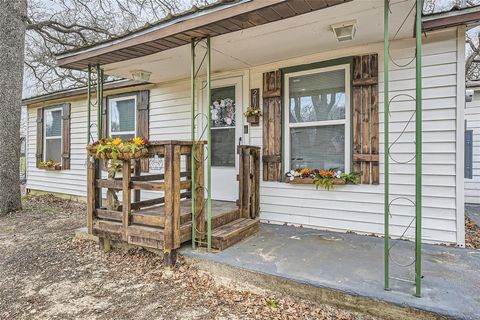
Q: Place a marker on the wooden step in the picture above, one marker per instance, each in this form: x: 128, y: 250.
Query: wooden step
x: 151, y: 237
x: 233, y: 232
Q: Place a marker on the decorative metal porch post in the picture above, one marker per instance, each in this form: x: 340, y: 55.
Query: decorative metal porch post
x: 418, y: 150
x: 194, y: 74
x: 386, y: 112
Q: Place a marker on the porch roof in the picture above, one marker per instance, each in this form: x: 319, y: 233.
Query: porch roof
x: 222, y: 17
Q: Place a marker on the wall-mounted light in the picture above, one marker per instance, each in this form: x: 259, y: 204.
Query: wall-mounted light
x: 344, y: 31
x: 141, y: 75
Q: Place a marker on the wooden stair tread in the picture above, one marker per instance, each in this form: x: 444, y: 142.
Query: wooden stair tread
x: 233, y: 228
x: 233, y: 232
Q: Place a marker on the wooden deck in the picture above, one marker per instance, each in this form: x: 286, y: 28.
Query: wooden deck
x: 166, y: 222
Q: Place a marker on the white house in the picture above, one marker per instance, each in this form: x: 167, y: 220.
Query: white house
x: 322, y: 127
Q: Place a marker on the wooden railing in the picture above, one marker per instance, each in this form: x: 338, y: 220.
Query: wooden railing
x: 249, y: 181
x: 173, y: 183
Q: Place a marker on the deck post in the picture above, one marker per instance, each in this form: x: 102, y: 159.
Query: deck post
x: 193, y: 150
x: 209, y: 144
x: 126, y: 197
x: 386, y: 145
x: 198, y: 190
x: 418, y: 150
x: 92, y: 192
x: 168, y: 244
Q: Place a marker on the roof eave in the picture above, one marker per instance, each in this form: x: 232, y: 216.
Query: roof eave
x: 450, y: 19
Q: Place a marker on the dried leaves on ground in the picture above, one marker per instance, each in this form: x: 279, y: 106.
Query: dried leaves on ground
x: 472, y: 234
x: 45, y: 273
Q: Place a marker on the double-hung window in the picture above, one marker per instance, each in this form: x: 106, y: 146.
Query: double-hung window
x: 122, y: 117
x: 53, y: 134
x: 317, y: 118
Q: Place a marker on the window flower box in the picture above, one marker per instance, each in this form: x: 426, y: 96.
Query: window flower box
x: 50, y: 166
x: 253, y: 115
x: 325, y: 179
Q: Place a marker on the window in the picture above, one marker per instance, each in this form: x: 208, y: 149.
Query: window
x: 53, y: 135
x: 223, y: 127
x: 317, y: 118
x: 122, y: 117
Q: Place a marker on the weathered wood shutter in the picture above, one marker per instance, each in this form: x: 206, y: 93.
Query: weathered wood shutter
x: 104, y: 118
x: 66, y: 115
x: 365, y: 118
x: 143, y: 123
x: 39, y: 154
x: 272, y: 126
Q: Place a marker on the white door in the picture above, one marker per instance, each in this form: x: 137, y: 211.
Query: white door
x: 226, y: 134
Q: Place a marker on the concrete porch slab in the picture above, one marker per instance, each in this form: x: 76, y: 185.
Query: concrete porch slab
x: 347, y: 269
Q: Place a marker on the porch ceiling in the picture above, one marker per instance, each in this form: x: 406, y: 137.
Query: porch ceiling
x: 270, y: 42
x: 219, y: 18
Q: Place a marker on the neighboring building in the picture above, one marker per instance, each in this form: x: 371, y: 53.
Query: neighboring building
x: 326, y: 125
x: 472, y: 143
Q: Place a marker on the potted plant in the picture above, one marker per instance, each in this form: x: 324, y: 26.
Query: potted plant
x: 253, y: 115
x: 325, y: 179
x: 50, y: 165
x: 116, y: 149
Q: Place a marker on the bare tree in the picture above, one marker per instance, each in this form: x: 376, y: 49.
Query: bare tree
x: 60, y: 25
x: 12, y: 34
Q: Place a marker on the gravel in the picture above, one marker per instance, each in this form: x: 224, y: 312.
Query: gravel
x: 45, y: 273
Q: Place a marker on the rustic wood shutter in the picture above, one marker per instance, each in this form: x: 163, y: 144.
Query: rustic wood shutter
x: 143, y: 103
x: 272, y: 126
x: 66, y: 116
x: 39, y: 154
x: 104, y: 118
x: 365, y: 118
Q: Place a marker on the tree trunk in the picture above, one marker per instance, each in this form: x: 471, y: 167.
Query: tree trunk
x: 12, y: 42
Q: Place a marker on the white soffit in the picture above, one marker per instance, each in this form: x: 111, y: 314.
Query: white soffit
x: 303, y: 35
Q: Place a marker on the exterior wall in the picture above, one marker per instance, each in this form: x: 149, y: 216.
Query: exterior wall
x: 345, y: 208
x: 472, y: 117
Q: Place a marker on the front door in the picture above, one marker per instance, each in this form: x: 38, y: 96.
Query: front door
x: 226, y: 133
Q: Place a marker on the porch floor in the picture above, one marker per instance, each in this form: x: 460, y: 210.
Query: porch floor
x: 353, y: 264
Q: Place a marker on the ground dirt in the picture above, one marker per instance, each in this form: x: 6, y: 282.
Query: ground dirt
x: 472, y: 234
x: 45, y: 273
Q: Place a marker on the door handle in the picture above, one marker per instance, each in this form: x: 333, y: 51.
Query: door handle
x: 240, y: 141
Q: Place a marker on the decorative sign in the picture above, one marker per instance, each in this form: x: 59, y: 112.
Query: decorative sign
x: 255, y: 98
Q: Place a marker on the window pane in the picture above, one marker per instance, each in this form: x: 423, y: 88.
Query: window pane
x: 320, y: 147
x: 317, y: 97
x: 53, y: 123
x: 223, y: 107
x: 53, y: 150
x: 223, y: 147
x: 122, y: 117
x: 124, y: 137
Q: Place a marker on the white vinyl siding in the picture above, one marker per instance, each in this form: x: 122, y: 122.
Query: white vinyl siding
x: 357, y: 208
x: 472, y: 117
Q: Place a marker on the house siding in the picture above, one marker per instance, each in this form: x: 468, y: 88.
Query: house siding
x: 357, y: 208
x: 472, y: 117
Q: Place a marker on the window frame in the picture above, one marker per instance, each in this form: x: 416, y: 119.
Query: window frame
x: 346, y: 122
x: 45, y: 111
x: 109, y: 115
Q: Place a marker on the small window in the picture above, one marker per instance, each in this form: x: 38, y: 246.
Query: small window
x: 53, y: 135
x: 122, y: 117
x: 317, y: 119
x: 223, y: 126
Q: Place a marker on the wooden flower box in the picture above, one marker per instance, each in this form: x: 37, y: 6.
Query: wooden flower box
x: 56, y: 168
x: 299, y: 180
x: 254, y: 120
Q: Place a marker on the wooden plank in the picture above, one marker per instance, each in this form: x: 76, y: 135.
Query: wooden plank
x: 239, y: 231
x: 365, y: 157
x: 112, y: 227
x: 366, y: 132
x: 110, y: 184
x: 39, y: 144
x: 109, y: 214
x: 137, y: 171
x: 374, y: 135
x: 66, y: 136
x: 176, y: 196
x: 145, y: 242
x: 169, y: 201
x: 224, y: 218
x: 91, y: 194
x: 126, y: 198
x: 199, y: 191
x: 148, y: 185
x: 145, y: 232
